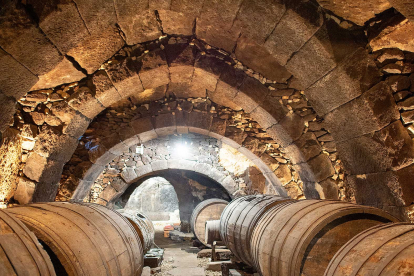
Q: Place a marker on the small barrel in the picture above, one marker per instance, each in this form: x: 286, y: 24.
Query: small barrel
x: 239, y: 219
x: 300, y: 238
x: 20, y: 251
x: 88, y: 239
x: 143, y: 225
x: 382, y: 250
x: 212, y: 231
x: 209, y: 209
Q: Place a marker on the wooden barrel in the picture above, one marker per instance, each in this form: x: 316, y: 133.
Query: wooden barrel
x: 212, y: 231
x: 143, y: 225
x: 20, y: 251
x: 300, y: 238
x: 239, y: 219
x: 382, y: 250
x: 88, y: 239
x: 209, y: 209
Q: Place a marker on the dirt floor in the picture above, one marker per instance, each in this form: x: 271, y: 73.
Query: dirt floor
x: 178, y: 262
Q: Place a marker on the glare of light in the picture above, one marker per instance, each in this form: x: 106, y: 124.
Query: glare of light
x: 181, y: 150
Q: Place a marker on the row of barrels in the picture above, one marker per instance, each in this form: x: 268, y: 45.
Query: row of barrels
x: 281, y: 236
x: 61, y: 238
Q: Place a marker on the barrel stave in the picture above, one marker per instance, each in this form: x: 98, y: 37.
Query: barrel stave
x: 88, y: 239
x: 381, y: 250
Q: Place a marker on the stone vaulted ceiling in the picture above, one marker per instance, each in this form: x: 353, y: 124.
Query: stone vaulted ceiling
x: 328, y: 84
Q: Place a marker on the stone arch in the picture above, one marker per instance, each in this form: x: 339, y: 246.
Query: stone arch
x: 156, y: 72
x: 149, y: 133
x: 112, y: 192
x: 285, y: 38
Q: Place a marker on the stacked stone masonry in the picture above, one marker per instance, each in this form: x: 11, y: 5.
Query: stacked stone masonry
x: 336, y: 53
x: 41, y: 107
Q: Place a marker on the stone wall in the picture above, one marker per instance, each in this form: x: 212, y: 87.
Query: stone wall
x: 156, y: 198
x: 10, y: 152
x: 48, y: 109
x: 191, y: 189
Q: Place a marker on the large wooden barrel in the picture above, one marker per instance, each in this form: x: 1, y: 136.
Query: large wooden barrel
x: 143, y: 225
x: 300, y: 238
x: 209, y: 209
x: 384, y: 250
x: 20, y: 251
x: 88, y: 239
x: 239, y: 219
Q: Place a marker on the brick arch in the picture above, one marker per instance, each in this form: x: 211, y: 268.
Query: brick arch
x: 282, y: 40
x: 113, y: 192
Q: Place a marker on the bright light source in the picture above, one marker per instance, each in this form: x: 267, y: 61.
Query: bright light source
x: 181, y: 150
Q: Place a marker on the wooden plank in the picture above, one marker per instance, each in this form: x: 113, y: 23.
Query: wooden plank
x: 18, y: 255
x: 6, y: 267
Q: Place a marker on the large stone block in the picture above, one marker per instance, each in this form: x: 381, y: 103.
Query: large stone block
x: 155, y: 77
x: 257, y: 19
x: 154, y: 71
x: 142, y: 125
x: 137, y: 22
x: 357, y: 11
x: 164, y: 120
x: 181, y: 74
x: 176, y: 23
x: 190, y: 7
x: 391, y: 148
x: 224, y: 95
x: 84, y: 102
x: 6, y: 112
x: 48, y: 185
x: 277, y: 110
x: 372, y: 111
x: 150, y: 95
x: 52, y: 144
x: 329, y: 46
x: 279, y: 135
x: 201, y: 120
x: 377, y: 189
x: 227, y: 87
x: 105, y: 91
x: 15, y: 79
x: 294, y: 125
x: 61, y: 22
x: 355, y: 75
x: 64, y: 72
x: 20, y: 37
x: 93, y: 51
x: 308, y: 145
x: 180, y: 54
x: 97, y: 14
x: 143, y: 170
x: 330, y: 189
x: 260, y: 60
x: 35, y: 165
x: 400, y: 36
x: 124, y: 76
x: 296, y: 27
x: 406, y: 7
x: 108, y: 193
x: 25, y: 191
x: 215, y: 22
x: 321, y: 167
x: 252, y: 93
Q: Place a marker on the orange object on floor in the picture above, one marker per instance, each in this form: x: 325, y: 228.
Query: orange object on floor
x: 169, y: 228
